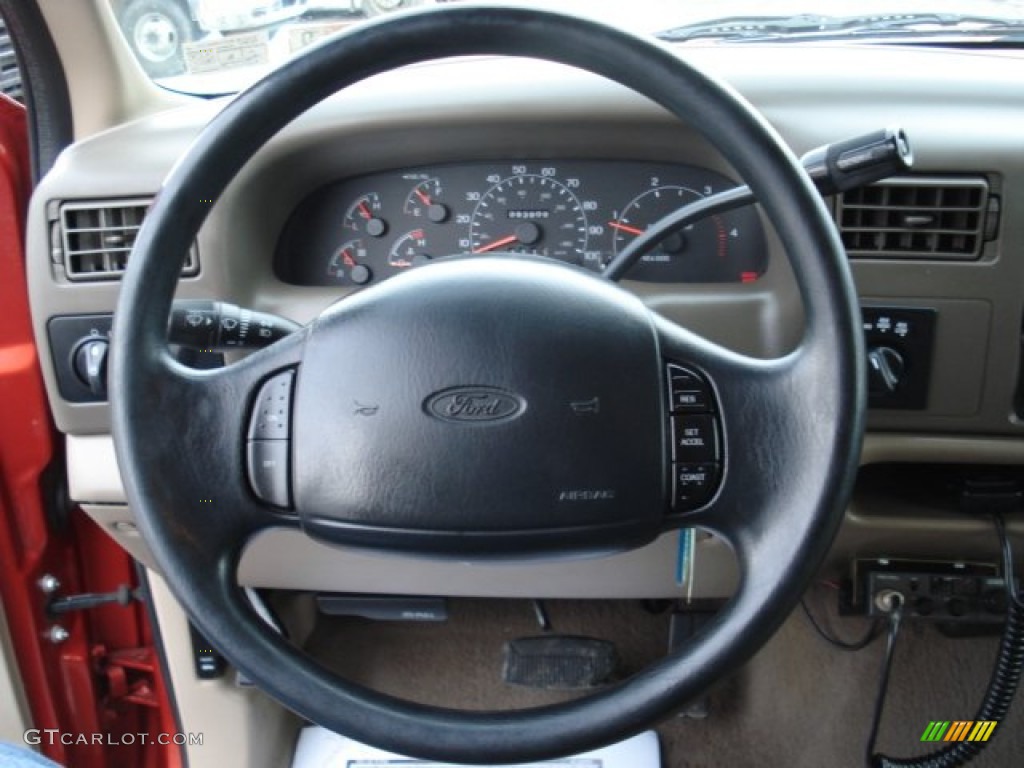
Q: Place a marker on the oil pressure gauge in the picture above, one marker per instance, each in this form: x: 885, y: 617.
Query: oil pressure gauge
x: 364, y: 216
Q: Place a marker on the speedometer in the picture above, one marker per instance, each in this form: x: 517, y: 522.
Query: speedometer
x: 530, y: 213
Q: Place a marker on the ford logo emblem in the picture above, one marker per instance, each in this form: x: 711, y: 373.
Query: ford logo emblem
x: 474, y: 404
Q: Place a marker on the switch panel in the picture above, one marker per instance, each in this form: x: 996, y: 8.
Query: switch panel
x: 695, y: 432
x: 899, y: 346
x: 943, y: 597
x: 207, y: 660
x: 268, y: 445
x: 72, y: 338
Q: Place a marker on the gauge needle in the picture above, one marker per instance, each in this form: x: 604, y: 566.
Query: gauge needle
x: 365, y: 211
x: 423, y: 196
x: 625, y: 228
x: 497, y: 244
x: 347, y: 258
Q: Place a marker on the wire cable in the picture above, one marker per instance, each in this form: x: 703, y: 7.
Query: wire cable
x: 844, y: 645
x: 1001, y: 686
x: 895, y: 621
x: 1012, y: 595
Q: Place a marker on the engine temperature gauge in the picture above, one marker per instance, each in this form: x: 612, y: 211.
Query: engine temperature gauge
x: 410, y: 250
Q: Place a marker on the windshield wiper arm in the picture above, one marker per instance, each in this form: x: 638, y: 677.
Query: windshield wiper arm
x: 810, y: 26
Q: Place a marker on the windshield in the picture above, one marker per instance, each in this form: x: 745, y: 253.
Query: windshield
x: 221, y: 46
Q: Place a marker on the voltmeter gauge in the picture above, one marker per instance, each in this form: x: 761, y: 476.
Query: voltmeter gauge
x: 346, y: 266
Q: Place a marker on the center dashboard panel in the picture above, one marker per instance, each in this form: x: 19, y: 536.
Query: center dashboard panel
x: 363, y: 230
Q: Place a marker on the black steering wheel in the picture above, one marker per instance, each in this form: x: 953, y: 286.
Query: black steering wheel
x: 531, y: 410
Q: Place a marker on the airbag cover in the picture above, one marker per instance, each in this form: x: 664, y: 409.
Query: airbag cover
x: 490, y: 405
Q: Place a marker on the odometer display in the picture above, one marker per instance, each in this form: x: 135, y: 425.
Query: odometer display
x: 530, y: 213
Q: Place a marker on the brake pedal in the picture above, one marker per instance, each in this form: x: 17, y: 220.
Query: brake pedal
x: 559, y: 662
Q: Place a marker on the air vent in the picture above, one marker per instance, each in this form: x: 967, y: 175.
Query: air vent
x: 915, y: 218
x: 98, y: 236
x: 10, y: 76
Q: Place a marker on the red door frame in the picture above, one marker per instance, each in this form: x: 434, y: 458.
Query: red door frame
x: 104, y: 680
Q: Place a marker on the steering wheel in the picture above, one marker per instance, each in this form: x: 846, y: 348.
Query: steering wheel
x: 481, y: 403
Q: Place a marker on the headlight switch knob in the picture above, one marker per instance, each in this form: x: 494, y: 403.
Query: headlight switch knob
x: 885, y: 370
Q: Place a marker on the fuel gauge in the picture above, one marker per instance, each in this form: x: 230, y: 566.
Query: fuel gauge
x: 424, y: 201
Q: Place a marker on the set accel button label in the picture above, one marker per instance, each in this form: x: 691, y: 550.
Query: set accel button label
x: 694, y: 439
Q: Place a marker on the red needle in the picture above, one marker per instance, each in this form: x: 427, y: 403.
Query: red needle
x: 423, y: 196
x: 364, y: 210
x: 496, y: 244
x: 625, y: 228
x: 347, y: 258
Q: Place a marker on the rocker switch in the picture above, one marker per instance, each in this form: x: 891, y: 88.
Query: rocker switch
x: 268, y: 446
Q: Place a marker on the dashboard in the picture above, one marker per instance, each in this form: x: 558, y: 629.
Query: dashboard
x: 364, y: 230
x: 478, y: 156
x: 330, y: 208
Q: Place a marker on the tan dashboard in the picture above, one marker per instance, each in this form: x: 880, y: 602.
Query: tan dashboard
x: 941, y: 248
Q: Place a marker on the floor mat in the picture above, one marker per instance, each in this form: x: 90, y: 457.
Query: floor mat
x: 799, y: 703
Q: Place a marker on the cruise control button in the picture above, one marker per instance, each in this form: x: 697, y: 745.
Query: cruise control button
x: 694, y: 439
x: 687, y: 391
x: 271, y: 413
x: 693, y: 485
x: 268, y: 471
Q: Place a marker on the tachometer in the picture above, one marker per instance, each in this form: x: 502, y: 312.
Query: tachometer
x: 708, y: 251
x: 530, y: 213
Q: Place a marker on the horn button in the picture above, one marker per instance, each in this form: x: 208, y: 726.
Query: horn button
x: 496, y: 406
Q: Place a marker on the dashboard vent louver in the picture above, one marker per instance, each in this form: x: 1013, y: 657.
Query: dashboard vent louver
x: 915, y: 218
x: 10, y: 75
x: 98, y: 236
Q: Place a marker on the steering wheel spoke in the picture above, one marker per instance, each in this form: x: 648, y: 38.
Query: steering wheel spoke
x: 203, y: 487
x: 773, y: 440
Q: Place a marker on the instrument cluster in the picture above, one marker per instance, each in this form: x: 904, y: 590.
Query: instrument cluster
x: 362, y: 230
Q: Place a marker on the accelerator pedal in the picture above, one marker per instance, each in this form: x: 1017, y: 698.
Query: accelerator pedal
x: 559, y: 662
